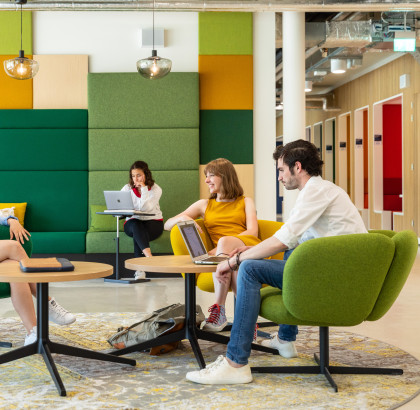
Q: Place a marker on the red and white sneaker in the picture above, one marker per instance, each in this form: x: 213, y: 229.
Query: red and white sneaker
x: 254, y: 340
x: 217, y: 321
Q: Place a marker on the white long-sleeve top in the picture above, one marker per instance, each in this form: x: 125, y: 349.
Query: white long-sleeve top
x: 148, y: 201
x: 322, y: 209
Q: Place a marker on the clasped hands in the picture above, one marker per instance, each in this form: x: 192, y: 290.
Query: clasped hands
x: 224, y: 271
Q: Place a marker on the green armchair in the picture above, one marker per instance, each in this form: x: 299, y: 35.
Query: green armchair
x: 5, y: 287
x: 340, y: 281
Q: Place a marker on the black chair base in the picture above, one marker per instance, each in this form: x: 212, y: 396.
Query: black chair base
x: 5, y: 344
x: 324, y: 366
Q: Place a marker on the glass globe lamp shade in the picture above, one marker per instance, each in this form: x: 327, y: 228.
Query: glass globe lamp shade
x: 21, y: 68
x: 154, y: 67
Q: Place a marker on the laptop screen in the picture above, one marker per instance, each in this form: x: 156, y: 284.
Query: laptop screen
x: 192, y: 240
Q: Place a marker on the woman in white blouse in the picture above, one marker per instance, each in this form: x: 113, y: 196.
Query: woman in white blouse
x: 146, y: 195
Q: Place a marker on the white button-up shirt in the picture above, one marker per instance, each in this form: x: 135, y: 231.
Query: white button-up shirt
x: 322, y: 209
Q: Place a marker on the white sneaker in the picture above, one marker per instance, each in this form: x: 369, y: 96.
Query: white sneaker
x: 30, y: 337
x: 58, y: 314
x: 139, y: 274
x: 221, y: 372
x: 287, y: 349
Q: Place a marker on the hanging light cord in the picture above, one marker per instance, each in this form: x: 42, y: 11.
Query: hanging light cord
x: 21, y: 26
x: 153, y: 19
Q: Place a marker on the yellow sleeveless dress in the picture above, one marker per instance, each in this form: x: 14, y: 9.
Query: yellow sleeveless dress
x: 227, y: 219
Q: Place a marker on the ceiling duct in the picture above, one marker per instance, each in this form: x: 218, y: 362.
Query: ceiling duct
x: 324, y: 102
x: 333, y: 34
x: 217, y: 5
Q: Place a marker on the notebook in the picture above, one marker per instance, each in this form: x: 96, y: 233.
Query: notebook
x: 46, y: 265
x: 121, y: 202
x: 196, y: 246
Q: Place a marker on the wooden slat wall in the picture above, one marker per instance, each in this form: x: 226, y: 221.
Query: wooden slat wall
x: 379, y: 85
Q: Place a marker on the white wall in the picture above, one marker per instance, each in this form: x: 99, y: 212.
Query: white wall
x: 112, y: 39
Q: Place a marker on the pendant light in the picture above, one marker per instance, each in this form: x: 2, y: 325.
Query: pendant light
x: 21, y: 68
x: 154, y: 67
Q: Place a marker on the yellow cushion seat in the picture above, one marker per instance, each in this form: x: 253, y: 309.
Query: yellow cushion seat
x: 205, y: 280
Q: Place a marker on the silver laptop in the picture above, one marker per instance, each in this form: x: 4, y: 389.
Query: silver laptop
x: 196, y: 246
x: 121, y: 201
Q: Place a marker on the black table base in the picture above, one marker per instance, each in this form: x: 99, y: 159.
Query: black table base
x: 189, y: 332
x: 44, y: 346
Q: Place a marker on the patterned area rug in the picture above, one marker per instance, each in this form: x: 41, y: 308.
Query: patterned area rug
x: 159, y: 382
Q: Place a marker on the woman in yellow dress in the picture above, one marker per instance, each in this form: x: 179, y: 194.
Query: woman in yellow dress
x: 231, y: 222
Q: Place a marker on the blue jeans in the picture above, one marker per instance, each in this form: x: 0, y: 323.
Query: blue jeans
x: 252, y: 274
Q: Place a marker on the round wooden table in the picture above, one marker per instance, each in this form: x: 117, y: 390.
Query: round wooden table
x: 10, y: 272
x: 181, y: 264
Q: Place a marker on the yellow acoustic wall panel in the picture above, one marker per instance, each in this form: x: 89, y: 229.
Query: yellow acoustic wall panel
x: 61, y: 82
x: 226, y: 82
x: 246, y: 178
x: 14, y: 94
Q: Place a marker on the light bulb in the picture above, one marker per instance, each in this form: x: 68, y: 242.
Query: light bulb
x: 21, y: 70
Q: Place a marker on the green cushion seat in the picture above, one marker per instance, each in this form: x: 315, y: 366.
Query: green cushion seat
x: 104, y: 242
x: 59, y: 242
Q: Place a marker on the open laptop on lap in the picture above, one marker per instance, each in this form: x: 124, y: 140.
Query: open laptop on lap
x: 121, y: 202
x: 196, y: 246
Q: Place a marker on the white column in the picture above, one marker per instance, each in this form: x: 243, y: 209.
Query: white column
x: 293, y: 88
x: 264, y: 50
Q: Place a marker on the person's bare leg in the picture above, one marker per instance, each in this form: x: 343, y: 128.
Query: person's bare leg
x: 11, y: 250
x: 21, y: 294
x: 226, y: 245
x: 22, y: 302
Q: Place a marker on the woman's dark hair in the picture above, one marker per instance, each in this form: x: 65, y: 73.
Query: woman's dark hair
x: 223, y: 168
x: 147, y: 173
x: 304, y: 152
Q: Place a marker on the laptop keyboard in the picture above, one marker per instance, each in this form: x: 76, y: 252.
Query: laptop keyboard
x: 215, y: 259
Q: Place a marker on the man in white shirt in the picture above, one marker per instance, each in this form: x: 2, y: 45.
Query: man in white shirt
x: 322, y: 209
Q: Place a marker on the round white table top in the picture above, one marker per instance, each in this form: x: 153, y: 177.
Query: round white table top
x: 169, y: 264
x: 10, y: 272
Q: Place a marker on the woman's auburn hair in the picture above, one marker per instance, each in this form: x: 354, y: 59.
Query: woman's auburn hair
x: 230, y: 187
x: 147, y: 173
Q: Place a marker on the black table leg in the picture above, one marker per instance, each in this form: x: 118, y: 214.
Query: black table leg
x: 117, y: 279
x: 191, y: 318
x: 45, y: 347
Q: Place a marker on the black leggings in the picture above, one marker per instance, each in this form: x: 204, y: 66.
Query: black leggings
x: 142, y: 233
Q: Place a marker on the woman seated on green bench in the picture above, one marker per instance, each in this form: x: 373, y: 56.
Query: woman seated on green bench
x: 21, y: 293
x: 145, y: 194
x: 231, y: 222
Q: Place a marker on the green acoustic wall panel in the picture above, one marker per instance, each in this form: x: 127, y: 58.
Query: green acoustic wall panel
x: 104, y: 242
x: 224, y: 33
x: 179, y: 188
x: 59, y: 242
x: 43, y: 119
x: 127, y: 100
x: 227, y: 134
x: 162, y: 149
x: 10, y: 32
x: 57, y: 201
x: 44, y: 149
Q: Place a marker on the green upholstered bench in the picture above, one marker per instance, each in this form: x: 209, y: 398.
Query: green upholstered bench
x: 46, y: 167
x: 123, y: 128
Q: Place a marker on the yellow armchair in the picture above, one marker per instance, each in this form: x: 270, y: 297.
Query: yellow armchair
x: 204, y: 281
